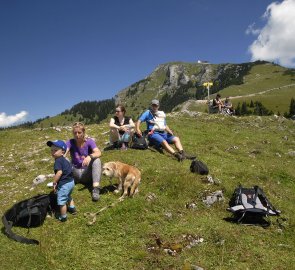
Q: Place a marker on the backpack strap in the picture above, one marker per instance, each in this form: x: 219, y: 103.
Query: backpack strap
x: 270, y: 208
x: 7, y: 229
x: 151, y: 113
x: 239, y: 195
x: 255, y: 195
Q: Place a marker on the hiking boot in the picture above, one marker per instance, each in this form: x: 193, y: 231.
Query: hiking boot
x: 113, y: 146
x: 186, y: 156
x: 72, y: 210
x: 124, y: 146
x: 95, y: 194
x: 62, y: 219
x: 178, y: 156
x: 109, y: 147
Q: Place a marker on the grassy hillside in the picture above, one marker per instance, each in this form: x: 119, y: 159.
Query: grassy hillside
x: 248, y: 150
x: 58, y: 120
x: 279, y: 83
x: 277, y: 100
x: 260, y: 78
x: 272, y: 85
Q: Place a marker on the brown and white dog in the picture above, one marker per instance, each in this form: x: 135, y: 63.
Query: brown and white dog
x: 128, y: 175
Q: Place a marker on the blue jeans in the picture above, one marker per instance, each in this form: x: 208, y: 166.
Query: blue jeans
x: 125, y: 137
x: 64, y: 193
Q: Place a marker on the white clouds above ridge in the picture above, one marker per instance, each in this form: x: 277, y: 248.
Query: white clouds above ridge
x: 276, y: 40
x: 10, y: 120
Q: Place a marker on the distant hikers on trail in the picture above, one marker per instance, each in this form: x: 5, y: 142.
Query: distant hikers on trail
x: 228, y: 106
x: 158, y: 136
x: 85, y: 156
x: 218, y: 106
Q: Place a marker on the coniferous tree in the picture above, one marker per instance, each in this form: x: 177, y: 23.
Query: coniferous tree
x: 259, y: 109
x: 92, y: 111
x: 292, y: 107
x: 244, y: 109
x: 238, y: 109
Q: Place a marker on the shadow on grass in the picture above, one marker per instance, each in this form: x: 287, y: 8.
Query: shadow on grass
x: 249, y: 220
x: 102, y: 190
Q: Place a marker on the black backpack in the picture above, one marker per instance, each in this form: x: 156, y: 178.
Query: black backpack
x: 251, y: 203
x: 27, y: 213
x: 199, y: 167
x: 139, y: 142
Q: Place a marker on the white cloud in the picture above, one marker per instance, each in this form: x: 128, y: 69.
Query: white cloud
x: 10, y: 120
x: 251, y: 30
x: 276, y: 40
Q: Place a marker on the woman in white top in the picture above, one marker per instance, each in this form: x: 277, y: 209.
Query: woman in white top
x: 121, y: 128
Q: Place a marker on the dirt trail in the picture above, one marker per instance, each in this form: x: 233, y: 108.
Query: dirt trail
x: 265, y: 91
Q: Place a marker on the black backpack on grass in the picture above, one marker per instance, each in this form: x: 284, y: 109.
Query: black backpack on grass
x: 199, y: 167
x: 27, y: 213
x: 139, y: 142
x: 251, y: 204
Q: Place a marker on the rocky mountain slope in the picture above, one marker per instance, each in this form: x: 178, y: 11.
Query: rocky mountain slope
x: 174, y: 83
x: 177, y: 83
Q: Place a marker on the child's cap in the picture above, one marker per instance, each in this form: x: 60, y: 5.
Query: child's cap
x: 58, y: 143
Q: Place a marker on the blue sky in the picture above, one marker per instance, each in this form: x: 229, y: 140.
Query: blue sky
x: 54, y: 54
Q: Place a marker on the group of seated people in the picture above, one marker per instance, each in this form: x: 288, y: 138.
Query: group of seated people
x: 218, y: 106
x: 85, y: 154
x: 159, y: 134
x: 85, y: 166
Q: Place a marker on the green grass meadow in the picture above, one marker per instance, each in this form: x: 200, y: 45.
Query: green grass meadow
x: 238, y: 150
x: 264, y: 78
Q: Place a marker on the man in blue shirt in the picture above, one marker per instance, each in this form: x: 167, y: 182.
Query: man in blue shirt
x: 158, y: 137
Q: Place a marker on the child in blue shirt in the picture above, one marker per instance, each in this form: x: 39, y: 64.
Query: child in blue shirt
x: 63, y: 181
